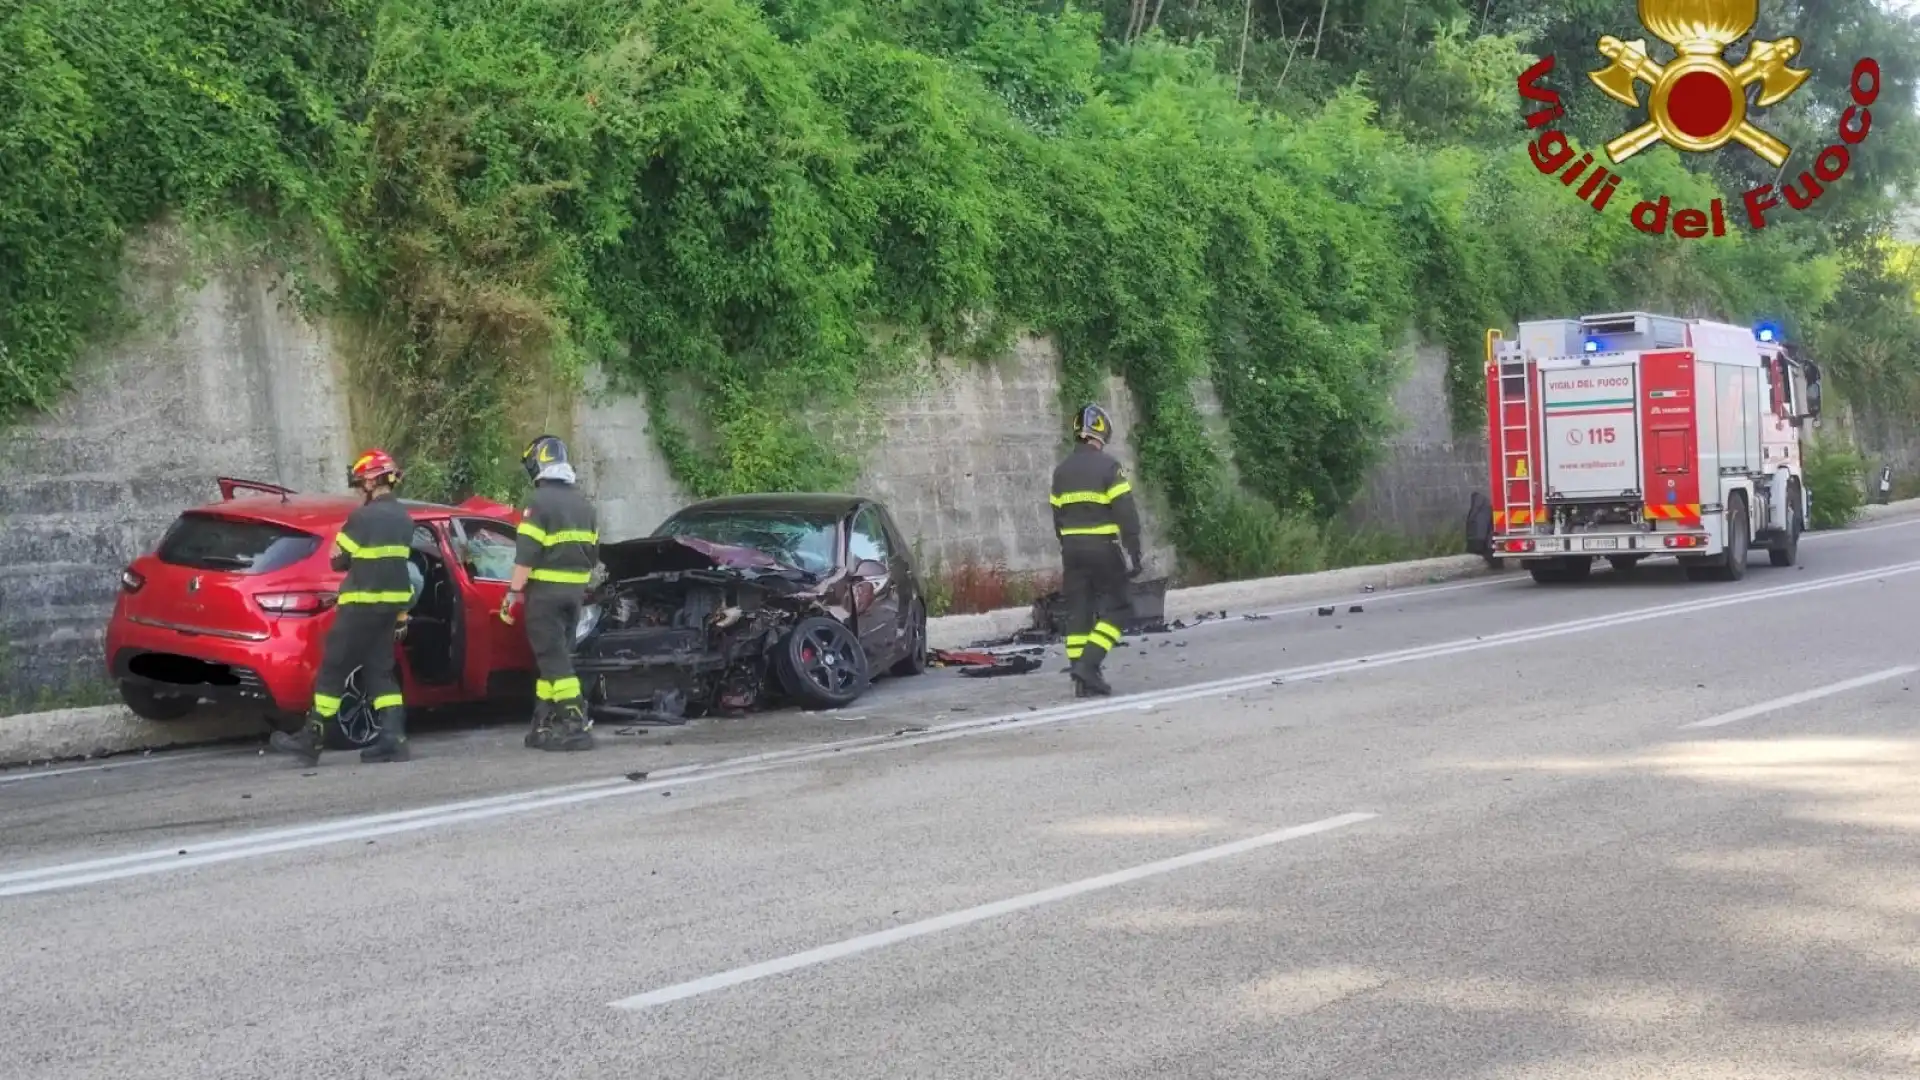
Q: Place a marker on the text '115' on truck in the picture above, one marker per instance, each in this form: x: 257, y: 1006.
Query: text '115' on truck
x: 1629, y: 435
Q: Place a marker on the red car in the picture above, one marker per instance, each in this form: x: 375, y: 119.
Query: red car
x: 235, y: 602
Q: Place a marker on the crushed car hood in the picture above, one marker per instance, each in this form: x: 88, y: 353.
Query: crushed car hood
x: 626, y: 559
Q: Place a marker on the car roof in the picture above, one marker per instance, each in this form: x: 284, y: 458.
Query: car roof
x: 801, y: 502
x: 313, y: 512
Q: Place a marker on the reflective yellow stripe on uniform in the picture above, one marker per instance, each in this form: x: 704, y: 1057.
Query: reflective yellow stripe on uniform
x: 326, y: 705
x: 563, y: 536
x: 388, y: 701
x: 1105, y: 634
x: 377, y: 597
x: 1076, y: 644
x: 561, y: 577
x: 1100, y: 497
x: 385, y: 551
x: 557, y: 690
x: 1093, y: 530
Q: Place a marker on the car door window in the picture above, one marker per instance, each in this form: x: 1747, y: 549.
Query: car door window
x: 868, y: 540
x: 486, y: 549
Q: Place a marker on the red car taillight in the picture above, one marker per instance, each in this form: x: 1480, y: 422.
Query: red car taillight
x: 131, y: 582
x: 296, y: 603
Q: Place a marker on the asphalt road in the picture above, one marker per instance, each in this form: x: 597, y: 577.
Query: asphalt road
x: 1634, y: 828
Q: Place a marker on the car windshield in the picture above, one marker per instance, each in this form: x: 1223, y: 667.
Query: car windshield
x: 800, y: 540
x: 211, y: 542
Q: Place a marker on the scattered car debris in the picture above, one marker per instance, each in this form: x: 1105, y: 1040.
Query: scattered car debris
x: 1256, y: 618
x: 636, y: 777
x: 1328, y: 610
x: 961, y: 658
x: 1355, y: 609
x: 1006, y: 665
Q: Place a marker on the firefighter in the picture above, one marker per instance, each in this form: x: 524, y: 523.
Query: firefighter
x: 373, y: 548
x: 1099, y: 528
x: 554, y: 560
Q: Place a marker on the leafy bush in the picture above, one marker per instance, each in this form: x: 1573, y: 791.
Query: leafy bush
x: 1836, y: 483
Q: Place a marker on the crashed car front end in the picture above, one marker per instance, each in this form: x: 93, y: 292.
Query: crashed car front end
x: 681, y: 627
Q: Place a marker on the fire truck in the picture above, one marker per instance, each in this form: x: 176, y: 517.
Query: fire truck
x: 1631, y: 435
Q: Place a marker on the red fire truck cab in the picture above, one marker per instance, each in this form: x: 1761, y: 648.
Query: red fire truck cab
x: 1628, y: 435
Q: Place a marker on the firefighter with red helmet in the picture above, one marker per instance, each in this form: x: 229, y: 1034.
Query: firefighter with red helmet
x: 373, y: 547
x: 1099, y: 529
x: 557, y: 548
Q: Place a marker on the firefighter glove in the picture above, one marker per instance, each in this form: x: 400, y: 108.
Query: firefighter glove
x: 510, y: 607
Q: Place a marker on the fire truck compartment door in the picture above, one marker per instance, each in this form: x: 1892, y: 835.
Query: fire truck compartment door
x: 1590, y: 429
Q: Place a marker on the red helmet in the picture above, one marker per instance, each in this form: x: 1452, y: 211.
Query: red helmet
x: 372, y: 465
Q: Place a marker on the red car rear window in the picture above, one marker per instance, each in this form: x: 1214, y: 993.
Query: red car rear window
x: 210, y: 542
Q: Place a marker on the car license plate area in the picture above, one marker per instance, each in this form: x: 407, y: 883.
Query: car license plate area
x: 1603, y: 543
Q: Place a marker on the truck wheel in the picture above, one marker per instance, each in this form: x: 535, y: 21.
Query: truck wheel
x: 1733, y: 561
x: 1785, y: 549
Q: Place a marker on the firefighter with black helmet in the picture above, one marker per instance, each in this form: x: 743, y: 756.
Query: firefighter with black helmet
x: 558, y: 547
x: 373, y: 547
x: 1099, y: 527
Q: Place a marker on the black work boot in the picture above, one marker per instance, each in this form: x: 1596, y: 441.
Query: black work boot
x: 1086, y: 675
x: 392, y: 744
x: 304, y: 744
x: 542, y: 728
x: 570, y: 730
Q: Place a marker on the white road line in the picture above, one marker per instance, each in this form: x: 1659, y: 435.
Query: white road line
x: 840, y: 950
x: 105, y: 766
x: 251, y: 845
x: 1801, y: 698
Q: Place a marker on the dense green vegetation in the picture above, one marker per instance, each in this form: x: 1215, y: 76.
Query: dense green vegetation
x: 737, y: 197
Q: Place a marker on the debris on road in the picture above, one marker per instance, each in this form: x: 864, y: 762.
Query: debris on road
x: 1328, y: 610
x: 1005, y: 665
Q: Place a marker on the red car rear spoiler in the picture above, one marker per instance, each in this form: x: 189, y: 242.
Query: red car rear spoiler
x: 479, y: 505
x: 229, y: 485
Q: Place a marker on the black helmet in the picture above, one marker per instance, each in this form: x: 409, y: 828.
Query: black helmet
x: 542, y: 452
x: 1094, y: 423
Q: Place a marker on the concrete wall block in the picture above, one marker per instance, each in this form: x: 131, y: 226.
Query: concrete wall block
x: 70, y: 540
x: 34, y: 589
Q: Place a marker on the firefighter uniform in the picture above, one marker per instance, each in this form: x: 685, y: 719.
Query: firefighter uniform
x: 1099, y: 527
x: 559, y: 545
x: 373, y: 548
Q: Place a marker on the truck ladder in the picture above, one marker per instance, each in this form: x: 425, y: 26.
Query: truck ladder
x: 1518, y: 471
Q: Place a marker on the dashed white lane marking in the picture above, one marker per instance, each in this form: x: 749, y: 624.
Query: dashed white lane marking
x: 272, y: 842
x: 840, y: 950
x: 1801, y: 698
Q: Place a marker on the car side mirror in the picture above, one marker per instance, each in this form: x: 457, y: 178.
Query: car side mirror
x: 869, y: 569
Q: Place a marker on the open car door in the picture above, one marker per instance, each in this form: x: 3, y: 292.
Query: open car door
x: 484, y: 549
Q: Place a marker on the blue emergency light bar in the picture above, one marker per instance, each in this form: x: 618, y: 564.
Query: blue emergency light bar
x: 1767, y: 332
x: 1593, y: 344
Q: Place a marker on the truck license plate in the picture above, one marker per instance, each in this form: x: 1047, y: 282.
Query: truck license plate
x: 1609, y: 543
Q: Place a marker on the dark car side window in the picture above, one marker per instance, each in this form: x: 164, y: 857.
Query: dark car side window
x: 868, y: 539
x: 211, y: 542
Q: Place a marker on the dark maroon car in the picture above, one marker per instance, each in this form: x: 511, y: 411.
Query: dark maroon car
x: 744, y: 601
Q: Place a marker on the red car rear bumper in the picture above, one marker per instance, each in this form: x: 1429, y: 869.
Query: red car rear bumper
x: 275, y: 671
